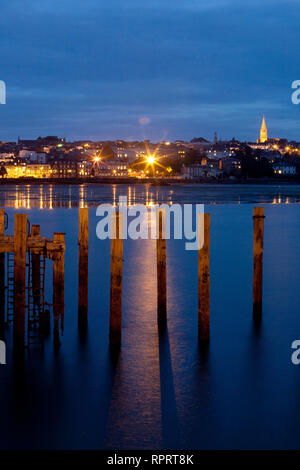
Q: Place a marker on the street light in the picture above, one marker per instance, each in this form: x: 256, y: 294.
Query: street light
x: 150, y: 159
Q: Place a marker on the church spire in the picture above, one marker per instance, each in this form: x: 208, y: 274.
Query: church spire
x: 263, y: 131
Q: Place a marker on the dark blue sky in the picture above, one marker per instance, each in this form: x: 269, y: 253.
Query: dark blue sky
x: 93, y: 69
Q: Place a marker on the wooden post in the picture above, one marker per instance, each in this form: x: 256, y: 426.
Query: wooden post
x: 20, y: 242
x: 83, y: 267
x: 258, y: 239
x: 2, y: 273
x: 58, y: 287
x: 203, y: 279
x: 116, y: 261
x: 35, y: 231
x: 161, y: 254
x: 2, y: 223
x: 36, y: 273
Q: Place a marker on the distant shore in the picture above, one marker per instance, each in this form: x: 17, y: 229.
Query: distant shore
x: 151, y: 181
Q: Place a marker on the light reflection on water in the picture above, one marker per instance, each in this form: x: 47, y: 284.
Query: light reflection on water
x: 163, y: 392
x: 89, y: 195
x: 136, y: 388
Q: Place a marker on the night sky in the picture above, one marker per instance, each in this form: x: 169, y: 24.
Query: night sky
x: 157, y: 69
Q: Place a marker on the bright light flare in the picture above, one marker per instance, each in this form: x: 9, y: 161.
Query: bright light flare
x: 150, y: 159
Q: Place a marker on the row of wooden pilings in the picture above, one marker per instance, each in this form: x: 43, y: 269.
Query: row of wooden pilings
x: 54, y: 249
x: 115, y: 329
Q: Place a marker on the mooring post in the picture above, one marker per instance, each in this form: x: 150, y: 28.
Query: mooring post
x: 2, y: 273
x: 2, y: 222
x: 20, y: 246
x: 116, y: 262
x: 161, y: 256
x: 58, y: 286
x: 44, y: 316
x: 258, y: 240
x: 36, y: 272
x: 83, y: 266
x: 203, y: 277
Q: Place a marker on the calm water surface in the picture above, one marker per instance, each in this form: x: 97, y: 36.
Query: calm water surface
x: 67, y: 196
x: 162, y: 392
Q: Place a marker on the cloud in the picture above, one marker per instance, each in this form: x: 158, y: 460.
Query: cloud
x: 82, y: 68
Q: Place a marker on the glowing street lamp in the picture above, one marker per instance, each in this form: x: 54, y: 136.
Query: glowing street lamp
x: 150, y: 159
x: 97, y: 159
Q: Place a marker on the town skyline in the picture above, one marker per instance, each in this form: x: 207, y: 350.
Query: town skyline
x: 211, y: 138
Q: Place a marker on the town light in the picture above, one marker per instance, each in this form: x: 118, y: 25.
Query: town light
x: 150, y: 159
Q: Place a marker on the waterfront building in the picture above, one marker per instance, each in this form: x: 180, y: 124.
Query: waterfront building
x: 28, y: 171
x: 283, y: 168
x: 85, y: 168
x: 64, y: 169
x: 113, y: 168
x: 201, y: 171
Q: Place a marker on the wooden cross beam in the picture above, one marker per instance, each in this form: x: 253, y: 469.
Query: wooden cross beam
x: 37, y: 245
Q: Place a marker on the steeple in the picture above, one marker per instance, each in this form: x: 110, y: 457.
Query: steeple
x: 263, y: 131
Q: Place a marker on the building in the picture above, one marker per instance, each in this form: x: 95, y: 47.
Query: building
x: 112, y: 168
x: 284, y: 169
x: 38, y: 171
x: 26, y: 154
x: 49, y: 141
x: 15, y: 171
x: 263, y: 131
x: 126, y: 154
x: 220, y: 154
x: 85, y: 168
x: 64, y: 169
x: 7, y: 157
x: 28, y: 171
x: 232, y: 166
x: 272, y: 155
x: 33, y: 156
x: 171, y: 150
x: 200, y: 171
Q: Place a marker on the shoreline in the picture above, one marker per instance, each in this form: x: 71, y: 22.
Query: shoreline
x: 160, y: 182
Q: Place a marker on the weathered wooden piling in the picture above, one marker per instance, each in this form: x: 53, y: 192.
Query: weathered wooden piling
x: 116, y: 260
x: 2, y: 272
x: 36, y: 272
x: 258, y: 239
x: 2, y: 222
x: 58, y: 285
x: 203, y: 278
x: 161, y: 257
x: 35, y: 231
x: 20, y: 246
x: 83, y: 266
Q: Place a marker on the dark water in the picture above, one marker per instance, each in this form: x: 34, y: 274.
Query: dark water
x: 163, y: 392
